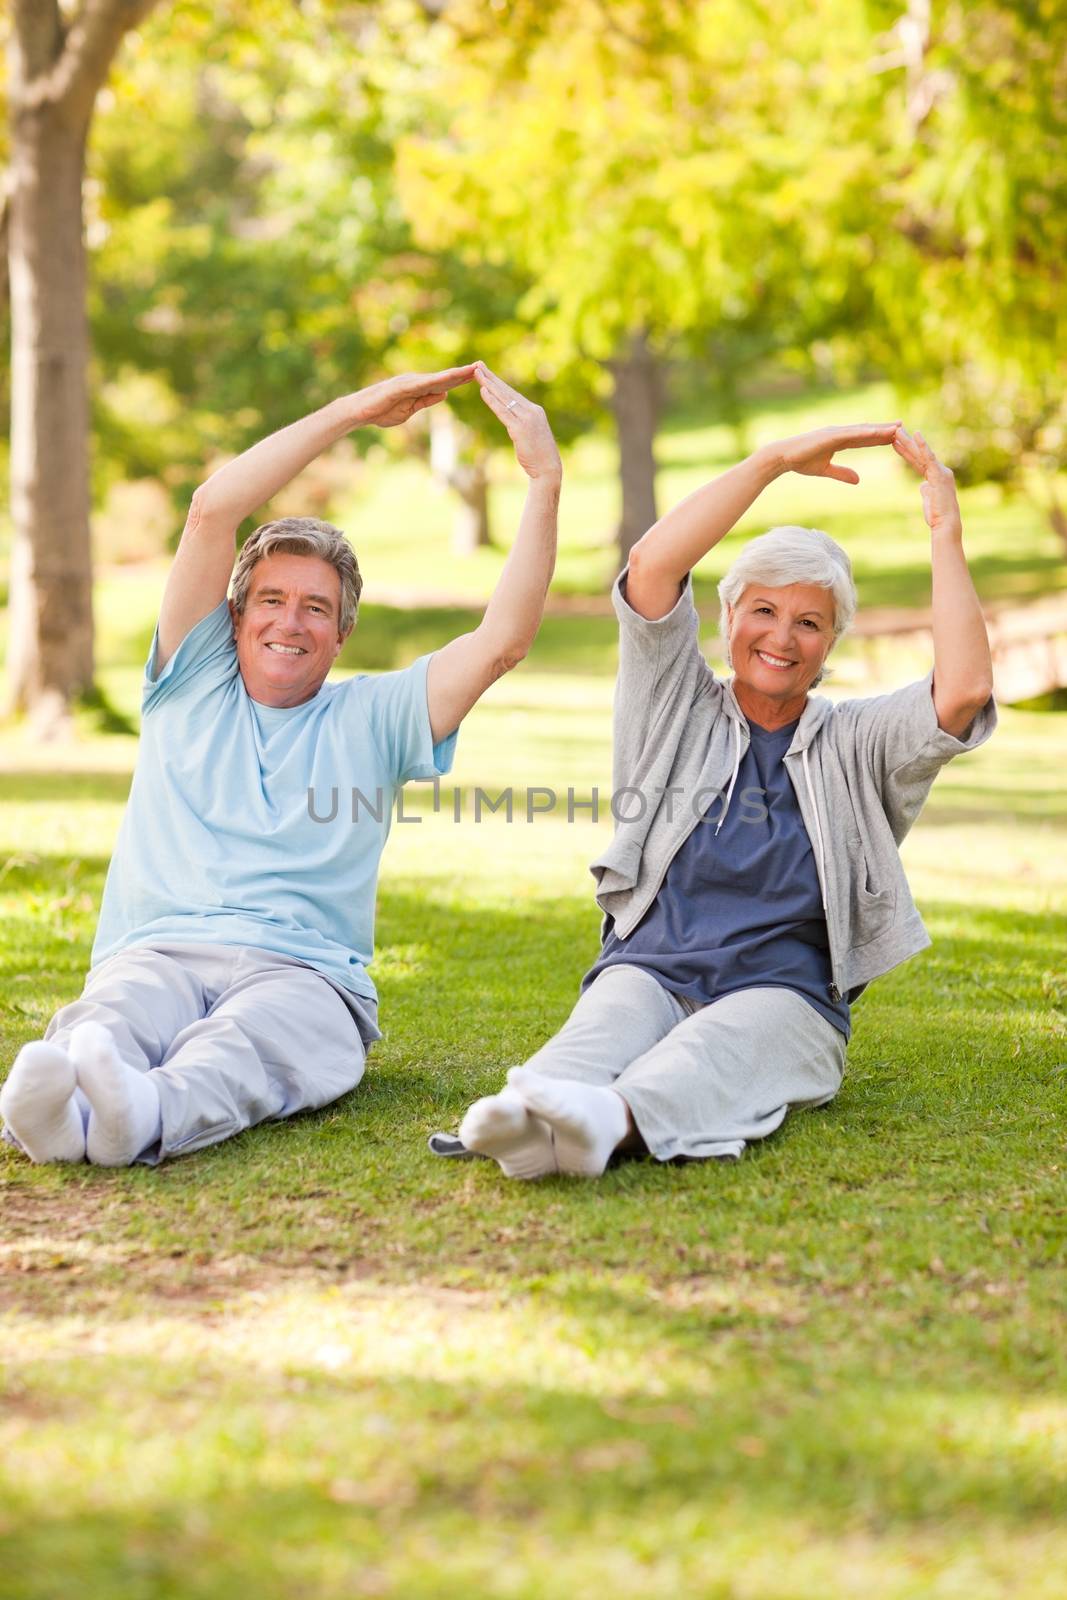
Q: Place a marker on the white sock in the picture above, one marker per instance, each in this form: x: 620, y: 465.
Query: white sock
x: 500, y: 1126
x: 38, y: 1103
x: 587, y: 1122
x: 124, y: 1115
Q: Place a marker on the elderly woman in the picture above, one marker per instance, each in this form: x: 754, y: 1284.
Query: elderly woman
x: 753, y: 887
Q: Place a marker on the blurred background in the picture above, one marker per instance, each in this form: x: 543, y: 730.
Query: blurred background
x: 683, y: 227
x: 312, y: 1362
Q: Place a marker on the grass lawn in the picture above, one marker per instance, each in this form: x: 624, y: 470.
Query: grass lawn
x: 314, y: 1362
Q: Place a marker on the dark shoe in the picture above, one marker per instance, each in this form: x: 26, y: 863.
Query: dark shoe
x: 446, y: 1144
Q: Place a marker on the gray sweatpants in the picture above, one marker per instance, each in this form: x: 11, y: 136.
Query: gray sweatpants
x: 699, y: 1081
x: 232, y: 1035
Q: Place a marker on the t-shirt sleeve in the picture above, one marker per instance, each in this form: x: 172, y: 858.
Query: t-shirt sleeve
x: 660, y: 666
x: 903, y: 746
x: 396, y: 708
x: 206, y: 657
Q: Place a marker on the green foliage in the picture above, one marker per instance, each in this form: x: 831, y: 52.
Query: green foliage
x: 970, y: 284
x: 663, y: 170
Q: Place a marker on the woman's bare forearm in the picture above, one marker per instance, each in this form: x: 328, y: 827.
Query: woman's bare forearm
x: 671, y: 548
x: 685, y: 535
x: 963, y: 666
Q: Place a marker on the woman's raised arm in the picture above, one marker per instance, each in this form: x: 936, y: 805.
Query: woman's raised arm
x: 963, y: 666
x: 662, y: 557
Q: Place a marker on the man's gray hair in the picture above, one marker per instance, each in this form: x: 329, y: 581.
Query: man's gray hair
x: 791, y: 555
x: 301, y: 536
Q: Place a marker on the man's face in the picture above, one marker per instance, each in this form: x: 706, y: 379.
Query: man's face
x: 289, y: 633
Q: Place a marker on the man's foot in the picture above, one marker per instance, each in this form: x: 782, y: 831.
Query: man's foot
x: 588, y: 1122
x: 124, y: 1116
x: 500, y: 1126
x: 38, y: 1104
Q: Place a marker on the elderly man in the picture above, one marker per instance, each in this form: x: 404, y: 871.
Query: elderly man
x: 229, y: 977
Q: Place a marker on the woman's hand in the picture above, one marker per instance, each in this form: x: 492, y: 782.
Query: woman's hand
x: 941, y: 508
x: 526, y: 423
x: 396, y: 400
x: 812, y: 453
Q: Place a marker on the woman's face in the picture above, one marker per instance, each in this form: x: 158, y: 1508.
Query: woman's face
x: 779, y: 638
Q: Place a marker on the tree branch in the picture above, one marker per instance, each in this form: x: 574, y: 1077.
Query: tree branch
x: 37, y: 40
x: 74, y: 76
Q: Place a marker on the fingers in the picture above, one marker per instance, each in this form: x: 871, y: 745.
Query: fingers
x: 918, y: 454
x: 504, y: 401
x: 426, y: 382
x: 506, y: 410
x: 842, y: 474
x: 489, y: 380
x: 862, y: 434
x: 452, y: 377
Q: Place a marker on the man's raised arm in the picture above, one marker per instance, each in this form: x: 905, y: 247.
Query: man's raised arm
x: 201, y: 569
x: 460, y: 673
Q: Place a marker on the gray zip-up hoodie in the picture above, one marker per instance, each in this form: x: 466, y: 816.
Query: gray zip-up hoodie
x: 862, y: 770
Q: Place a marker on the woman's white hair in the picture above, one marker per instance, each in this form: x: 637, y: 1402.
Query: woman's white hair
x: 791, y: 555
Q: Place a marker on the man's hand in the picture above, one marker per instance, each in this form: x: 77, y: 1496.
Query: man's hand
x: 941, y: 508
x: 812, y: 453
x: 526, y: 423
x: 396, y: 400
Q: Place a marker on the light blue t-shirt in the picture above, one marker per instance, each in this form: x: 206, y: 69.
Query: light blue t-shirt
x: 223, y: 840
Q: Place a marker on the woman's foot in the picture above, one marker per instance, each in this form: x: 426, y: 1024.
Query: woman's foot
x: 588, y: 1123
x: 39, y: 1106
x: 500, y: 1126
x: 124, y: 1113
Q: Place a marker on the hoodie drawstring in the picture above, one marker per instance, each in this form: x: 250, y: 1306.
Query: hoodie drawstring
x: 733, y: 775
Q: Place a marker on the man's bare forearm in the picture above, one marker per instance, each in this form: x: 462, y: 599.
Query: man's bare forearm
x: 251, y: 479
x: 517, y: 604
x: 240, y: 487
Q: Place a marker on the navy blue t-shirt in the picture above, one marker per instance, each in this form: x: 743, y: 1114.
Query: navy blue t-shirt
x: 741, y: 908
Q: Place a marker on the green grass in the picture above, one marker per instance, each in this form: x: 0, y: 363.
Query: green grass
x: 315, y: 1362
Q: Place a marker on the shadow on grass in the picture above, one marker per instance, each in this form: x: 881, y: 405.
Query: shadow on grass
x: 437, y: 1479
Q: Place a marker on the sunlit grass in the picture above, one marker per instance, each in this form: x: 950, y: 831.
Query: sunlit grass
x: 314, y: 1362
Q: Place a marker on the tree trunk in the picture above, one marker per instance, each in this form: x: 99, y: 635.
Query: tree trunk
x: 450, y: 442
x: 51, y: 632
x: 470, y: 530
x: 58, y: 63
x: 636, y: 404
x: 1057, y: 518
